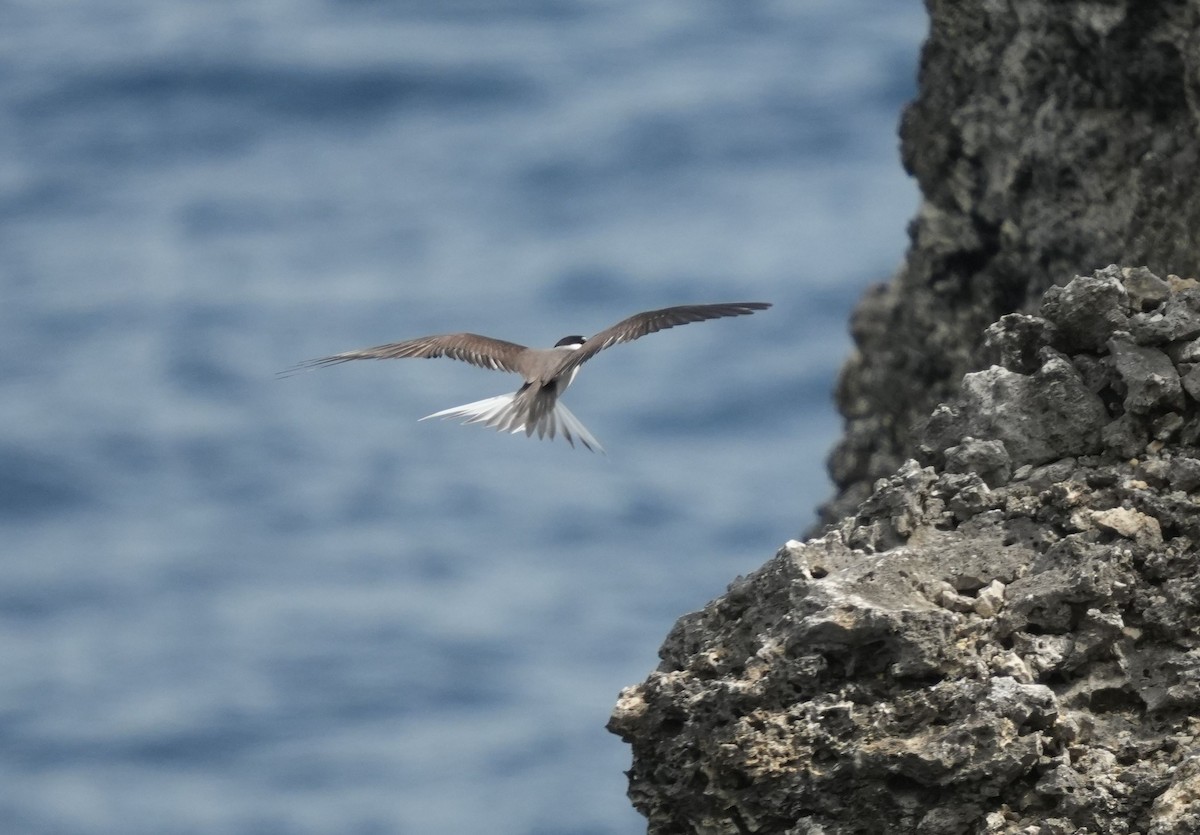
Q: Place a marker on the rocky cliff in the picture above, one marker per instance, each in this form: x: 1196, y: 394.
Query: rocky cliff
x: 1005, y: 638
x: 999, y: 629
x: 1048, y: 139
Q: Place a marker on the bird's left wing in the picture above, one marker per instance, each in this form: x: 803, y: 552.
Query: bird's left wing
x: 478, y: 350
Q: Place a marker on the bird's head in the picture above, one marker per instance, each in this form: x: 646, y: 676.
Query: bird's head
x: 573, y: 342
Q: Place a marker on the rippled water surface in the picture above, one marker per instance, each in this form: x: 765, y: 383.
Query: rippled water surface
x: 235, y: 603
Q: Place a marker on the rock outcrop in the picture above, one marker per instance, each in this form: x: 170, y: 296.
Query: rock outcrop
x: 1004, y: 637
x: 999, y: 629
x: 1048, y: 139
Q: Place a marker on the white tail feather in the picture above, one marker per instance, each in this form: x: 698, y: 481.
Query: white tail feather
x: 572, y: 425
x: 500, y: 414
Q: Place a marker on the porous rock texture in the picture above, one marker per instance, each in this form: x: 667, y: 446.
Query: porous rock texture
x: 1004, y: 638
x: 1048, y: 139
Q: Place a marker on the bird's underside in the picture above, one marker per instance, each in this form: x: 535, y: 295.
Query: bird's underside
x: 535, y: 407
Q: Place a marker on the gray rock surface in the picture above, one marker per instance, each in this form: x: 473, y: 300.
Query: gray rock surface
x: 1005, y: 636
x: 1048, y: 139
x: 1001, y: 635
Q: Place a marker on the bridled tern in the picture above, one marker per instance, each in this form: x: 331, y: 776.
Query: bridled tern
x: 535, y: 407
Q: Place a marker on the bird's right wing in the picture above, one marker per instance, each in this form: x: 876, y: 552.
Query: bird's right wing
x: 652, y: 321
x: 482, y: 351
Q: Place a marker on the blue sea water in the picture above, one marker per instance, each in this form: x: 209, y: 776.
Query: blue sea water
x: 236, y: 604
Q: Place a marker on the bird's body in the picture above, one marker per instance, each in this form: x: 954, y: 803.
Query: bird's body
x: 547, y: 372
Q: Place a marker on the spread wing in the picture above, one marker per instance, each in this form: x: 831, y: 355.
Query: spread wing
x: 478, y: 350
x: 651, y: 321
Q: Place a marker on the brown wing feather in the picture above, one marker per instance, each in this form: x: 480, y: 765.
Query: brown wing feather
x: 478, y: 350
x: 651, y: 321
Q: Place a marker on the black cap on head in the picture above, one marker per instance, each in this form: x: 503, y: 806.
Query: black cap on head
x: 568, y: 341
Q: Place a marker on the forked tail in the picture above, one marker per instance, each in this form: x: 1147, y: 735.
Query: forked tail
x: 504, y: 414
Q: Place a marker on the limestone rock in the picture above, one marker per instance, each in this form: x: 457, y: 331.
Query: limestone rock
x: 1087, y: 313
x: 1004, y: 637
x: 1048, y: 139
x: 997, y: 632
x: 1151, y: 380
x: 990, y: 459
x: 1037, y: 417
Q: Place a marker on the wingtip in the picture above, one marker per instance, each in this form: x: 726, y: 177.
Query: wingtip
x: 308, y: 365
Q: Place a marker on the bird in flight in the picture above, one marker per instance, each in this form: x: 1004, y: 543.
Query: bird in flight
x: 535, y: 407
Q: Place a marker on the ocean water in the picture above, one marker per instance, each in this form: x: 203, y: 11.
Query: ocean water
x: 241, y: 604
